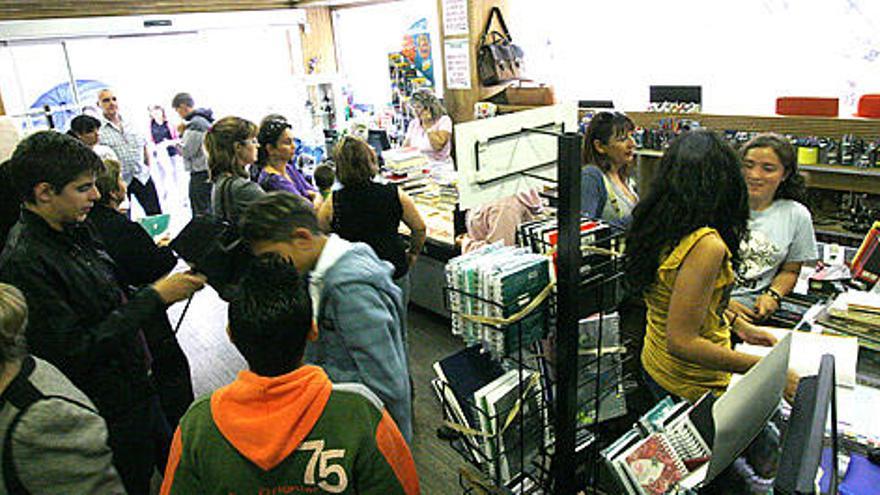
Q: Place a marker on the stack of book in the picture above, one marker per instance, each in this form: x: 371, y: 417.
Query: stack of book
x: 493, y: 285
x: 855, y: 313
x: 665, y: 446
x: 501, y: 415
x: 402, y: 161
x: 598, y: 242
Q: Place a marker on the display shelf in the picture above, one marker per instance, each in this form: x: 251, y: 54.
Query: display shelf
x: 841, y: 169
x: 802, y: 126
x: 832, y: 177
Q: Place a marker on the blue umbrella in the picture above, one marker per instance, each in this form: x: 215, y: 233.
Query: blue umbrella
x: 62, y: 95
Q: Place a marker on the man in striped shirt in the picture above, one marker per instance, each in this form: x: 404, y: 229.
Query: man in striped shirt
x: 131, y: 148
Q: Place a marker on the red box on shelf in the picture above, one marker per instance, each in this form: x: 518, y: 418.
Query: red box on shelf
x: 807, y: 106
x: 869, y: 107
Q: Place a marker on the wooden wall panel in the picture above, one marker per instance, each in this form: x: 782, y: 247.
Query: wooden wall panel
x: 50, y: 9
x: 318, y: 41
x: 460, y: 102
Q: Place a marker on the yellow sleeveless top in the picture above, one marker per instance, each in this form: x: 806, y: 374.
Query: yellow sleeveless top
x: 677, y: 376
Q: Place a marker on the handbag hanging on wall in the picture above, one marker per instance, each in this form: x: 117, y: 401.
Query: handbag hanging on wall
x: 498, y: 59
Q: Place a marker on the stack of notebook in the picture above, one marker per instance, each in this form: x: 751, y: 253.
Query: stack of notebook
x: 498, y: 282
x: 501, y: 415
x: 603, y: 364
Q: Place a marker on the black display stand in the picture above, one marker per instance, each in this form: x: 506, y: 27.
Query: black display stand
x: 581, y: 290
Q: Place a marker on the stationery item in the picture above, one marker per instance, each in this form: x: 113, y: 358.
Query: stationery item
x: 463, y: 373
x: 713, y: 430
x: 513, y: 419
x: 589, y: 327
x: 155, y: 225
x: 654, y: 465
x: 656, y: 459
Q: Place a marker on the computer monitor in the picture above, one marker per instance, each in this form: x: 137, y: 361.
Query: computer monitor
x: 596, y: 104
x: 803, y: 442
x: 378, y: 139
x: 679, y: 94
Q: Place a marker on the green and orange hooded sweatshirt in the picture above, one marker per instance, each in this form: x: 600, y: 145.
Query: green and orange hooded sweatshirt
x: 290, y: 434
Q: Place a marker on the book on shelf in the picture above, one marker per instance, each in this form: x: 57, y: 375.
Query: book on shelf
x: 607, y: 370
x: 513, y: 419
x: 604, y: 365
x: 512, y: 287
x: 866, y: 262
x: 463, y: 373
x: 589, y: 328
x: 493, y: 284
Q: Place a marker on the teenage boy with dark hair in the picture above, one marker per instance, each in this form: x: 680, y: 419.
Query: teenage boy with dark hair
x: 267, y: 431
x: 358, y: 308
x: 81, y: 320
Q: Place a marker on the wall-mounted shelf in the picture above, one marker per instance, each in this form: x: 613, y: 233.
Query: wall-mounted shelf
x: 841, y: 169
x: 833, y: 177
x: 798, y: 126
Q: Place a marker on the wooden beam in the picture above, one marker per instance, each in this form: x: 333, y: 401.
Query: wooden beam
x: 318, y: 42
x: 460, y: 102
x: 52, y: 9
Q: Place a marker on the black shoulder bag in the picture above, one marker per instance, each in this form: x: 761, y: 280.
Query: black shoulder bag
x: 212, y: 245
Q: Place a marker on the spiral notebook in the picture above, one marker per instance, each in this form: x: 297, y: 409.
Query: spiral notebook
x: 655, y: 466
x: 650, y: 461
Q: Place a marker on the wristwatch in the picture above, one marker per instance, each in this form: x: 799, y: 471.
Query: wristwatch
x: 774, y: 294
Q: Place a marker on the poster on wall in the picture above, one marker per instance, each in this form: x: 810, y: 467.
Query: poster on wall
x: 458, y: 64
x: 417, y: 49
x: 455, y: 17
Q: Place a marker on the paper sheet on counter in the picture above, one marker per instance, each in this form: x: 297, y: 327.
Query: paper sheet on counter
x: 807, y: 350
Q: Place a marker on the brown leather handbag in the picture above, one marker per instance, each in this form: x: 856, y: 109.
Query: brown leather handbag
x: 498, y: 59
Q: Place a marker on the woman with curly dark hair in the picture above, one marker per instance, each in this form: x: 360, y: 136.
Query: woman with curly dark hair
x: 781, y: 237
x: 682, y: 247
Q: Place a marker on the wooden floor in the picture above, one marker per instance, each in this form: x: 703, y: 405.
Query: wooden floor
x: 215, y: 362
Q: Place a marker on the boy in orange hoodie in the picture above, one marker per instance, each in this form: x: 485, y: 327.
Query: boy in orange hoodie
x: 283, y: 427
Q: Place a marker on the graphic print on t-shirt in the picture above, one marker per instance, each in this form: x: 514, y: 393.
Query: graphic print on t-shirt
x: 759, y: 254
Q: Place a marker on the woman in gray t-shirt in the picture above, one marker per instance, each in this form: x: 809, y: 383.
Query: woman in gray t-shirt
x: 781, y: 237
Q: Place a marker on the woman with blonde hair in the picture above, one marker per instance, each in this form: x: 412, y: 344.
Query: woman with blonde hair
x: 431, y: 129
x: 57, y: 441
x: 232, y: 146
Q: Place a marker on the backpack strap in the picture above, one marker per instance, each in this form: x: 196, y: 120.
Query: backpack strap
x: 493, y: 13
x: 22, y: 394
x: 225, y: 198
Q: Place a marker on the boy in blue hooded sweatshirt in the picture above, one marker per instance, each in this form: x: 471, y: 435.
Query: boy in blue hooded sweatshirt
x: 358, y: 308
